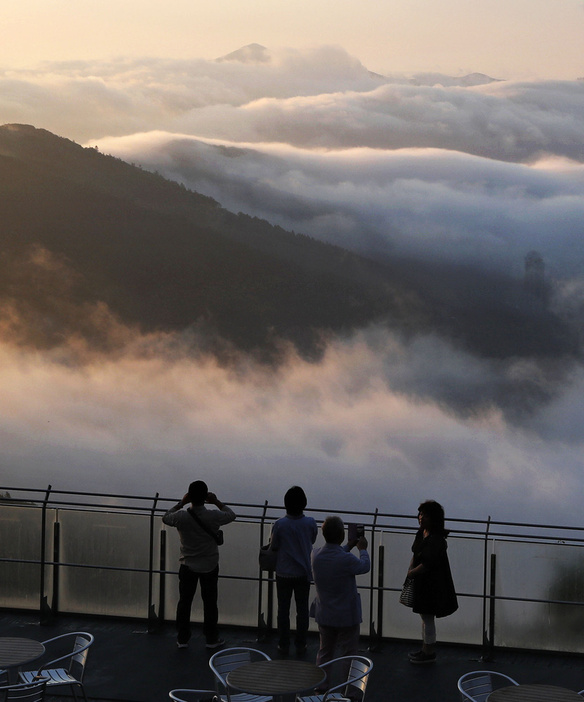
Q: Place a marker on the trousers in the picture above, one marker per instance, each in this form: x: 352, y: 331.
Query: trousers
x: 285, y: 588
x: 343, y: 638
x: 187, y: 586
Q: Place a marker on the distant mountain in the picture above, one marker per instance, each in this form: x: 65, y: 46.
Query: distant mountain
x: 252, y: 53
x: 91, y: 246
x: 468, y: 81
x: 256, y: 53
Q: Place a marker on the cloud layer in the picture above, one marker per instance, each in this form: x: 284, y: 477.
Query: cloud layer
x: 432, y: 168
x: 349, y: 429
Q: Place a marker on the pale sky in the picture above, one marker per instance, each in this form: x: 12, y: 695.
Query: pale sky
x: 503, y: 38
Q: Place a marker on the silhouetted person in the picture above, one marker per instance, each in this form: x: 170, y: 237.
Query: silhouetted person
x: 292, y: 539
x: 434, y: 594
x: 198, y: 528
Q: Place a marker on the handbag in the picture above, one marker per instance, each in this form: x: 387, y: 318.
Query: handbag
x: 267, y: 558
x: 407, y: 594
x: 216, y: 536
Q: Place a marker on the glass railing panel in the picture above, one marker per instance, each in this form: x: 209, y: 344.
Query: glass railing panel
x: 102, y: 550
x: 540, y: 571
x: 238, y: 558
x: 20, y: 539
x: 106, y: 540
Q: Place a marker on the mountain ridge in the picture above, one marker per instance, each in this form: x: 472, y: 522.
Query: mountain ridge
x: 110, y: 246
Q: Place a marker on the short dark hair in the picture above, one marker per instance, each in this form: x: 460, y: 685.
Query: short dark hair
x: 333, y: 530
x: 198, y: 492
x: 295, y: 500
x: 435, y: 512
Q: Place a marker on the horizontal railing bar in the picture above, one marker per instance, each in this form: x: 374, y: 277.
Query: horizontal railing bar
x: 262, y: 506
x: 249, y: 578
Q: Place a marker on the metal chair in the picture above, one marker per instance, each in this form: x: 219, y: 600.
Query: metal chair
x: 24, y: 692
x: 223, y: 662
x: 71, y: 675
x: 187, y: 695
x: 359, y: 669
x: 478, y: 684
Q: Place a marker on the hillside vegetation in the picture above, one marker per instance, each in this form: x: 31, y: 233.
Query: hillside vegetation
x: 92, y: 245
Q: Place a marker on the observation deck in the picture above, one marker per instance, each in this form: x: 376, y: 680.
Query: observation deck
x: 106, y: 564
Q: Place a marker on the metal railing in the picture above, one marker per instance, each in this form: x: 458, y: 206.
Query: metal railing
x: 518, y: 584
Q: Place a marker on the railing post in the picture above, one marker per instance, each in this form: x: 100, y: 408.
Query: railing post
x: 56, y: 569
x: 262, y: 625
x: 492, y: 602
x: 46, y: 614
x: 162, y: 568
x: 374, y: 645
x: 373, y: 636
x: 487, y: 645
x: 153, y: 620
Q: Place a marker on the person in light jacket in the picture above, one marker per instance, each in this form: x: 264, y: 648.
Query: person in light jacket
x: 337, y: 608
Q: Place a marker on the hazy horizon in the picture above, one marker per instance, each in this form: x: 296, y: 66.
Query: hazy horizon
x: 515, y: 39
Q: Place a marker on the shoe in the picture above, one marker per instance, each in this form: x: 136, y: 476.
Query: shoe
x: 283, y: 650
x: 181, y: 645
x: 215, y: 644
x: 300, y: 651
x: 422, y: 658
x: 415, y: 654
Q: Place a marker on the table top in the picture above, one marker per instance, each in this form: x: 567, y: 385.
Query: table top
x: 534, y: 693
x: 17, y: 651
x: 281, y: 677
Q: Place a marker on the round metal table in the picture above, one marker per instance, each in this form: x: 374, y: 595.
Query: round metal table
x: 281, y: 679
x: 533, y: 693
x: 15, y: 652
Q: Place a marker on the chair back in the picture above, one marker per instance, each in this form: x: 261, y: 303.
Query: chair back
x: 478, y: 684
x: 74, y: 658
x: 79, y: 656
x: 188, y: 695
x: 359, y: 674
x: 476, y: 688
x: 24, y: 692
x: 223, y: 662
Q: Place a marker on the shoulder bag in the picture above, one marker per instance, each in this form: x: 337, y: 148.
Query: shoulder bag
x: 267, y: 558
x: 216, y: 536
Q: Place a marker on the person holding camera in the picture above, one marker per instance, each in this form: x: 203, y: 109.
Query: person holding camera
x: 200, y: 537
x: 338, y: 605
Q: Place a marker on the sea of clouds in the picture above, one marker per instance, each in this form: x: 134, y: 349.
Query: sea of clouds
x: 435, y: 168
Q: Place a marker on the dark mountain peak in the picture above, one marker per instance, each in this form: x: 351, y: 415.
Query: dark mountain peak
x: 252, y: 53
x: 24, y: 140
x: 478, y: 79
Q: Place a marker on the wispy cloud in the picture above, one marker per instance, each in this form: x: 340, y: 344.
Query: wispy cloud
x: 428, y: 203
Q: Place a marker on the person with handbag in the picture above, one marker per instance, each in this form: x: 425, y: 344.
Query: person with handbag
x: 292, y: 539
x: 429, y: 571
x: 200, y: 537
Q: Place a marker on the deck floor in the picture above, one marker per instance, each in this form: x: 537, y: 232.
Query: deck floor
x: 128, y: 664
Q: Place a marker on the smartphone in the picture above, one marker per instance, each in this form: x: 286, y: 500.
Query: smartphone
x: 356, y: 531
